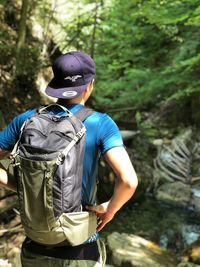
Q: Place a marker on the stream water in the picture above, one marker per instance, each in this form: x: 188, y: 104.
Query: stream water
x: 172, y: 228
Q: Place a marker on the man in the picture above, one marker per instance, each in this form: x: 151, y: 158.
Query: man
x: 72, y: 84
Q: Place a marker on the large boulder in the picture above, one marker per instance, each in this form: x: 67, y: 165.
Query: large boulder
x: 127, y: 250
x: 176, y: 175
x: 176, y: 193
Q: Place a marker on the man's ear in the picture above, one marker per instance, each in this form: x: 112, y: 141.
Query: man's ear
x: 86, y: 94
x: 89, y: 87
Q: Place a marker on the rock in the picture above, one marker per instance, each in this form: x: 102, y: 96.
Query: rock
x: 196, y: 198
x: 188, y: 264
x: 176, y: 193
x: 135, y: 251
x: 192, y: 253
x: 14, y: 257
x: 185, y: 135
x: 176, y: 172
x: 157, y: 142
x: 5, y: 263
x: 128, y: 135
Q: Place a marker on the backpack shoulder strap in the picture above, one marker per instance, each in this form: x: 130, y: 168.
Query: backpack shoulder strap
x: 55, y: 105
x: 83, y: 113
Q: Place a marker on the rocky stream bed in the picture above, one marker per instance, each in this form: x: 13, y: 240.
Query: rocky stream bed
x: 146, y: 234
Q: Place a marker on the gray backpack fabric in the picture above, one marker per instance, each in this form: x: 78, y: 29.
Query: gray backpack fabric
x: 49, y: 162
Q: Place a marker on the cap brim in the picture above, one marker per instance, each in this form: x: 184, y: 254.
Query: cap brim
x: 65, y: 93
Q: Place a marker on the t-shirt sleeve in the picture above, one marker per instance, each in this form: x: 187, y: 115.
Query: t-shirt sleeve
x: 10, y: 134
x: 109, y: 135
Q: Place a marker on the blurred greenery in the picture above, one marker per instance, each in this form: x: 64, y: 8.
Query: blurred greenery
x: 147, y: 52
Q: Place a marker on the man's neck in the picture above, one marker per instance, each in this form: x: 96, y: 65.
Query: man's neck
x: 70, y: 101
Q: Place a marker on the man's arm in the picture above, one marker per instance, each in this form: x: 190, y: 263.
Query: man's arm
x: 8, y: 138
x: 125, y: 186
x: 4, y: 153
x: 7, y: 180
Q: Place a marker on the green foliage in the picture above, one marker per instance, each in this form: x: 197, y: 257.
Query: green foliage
x: 150, y: 53
x: 18, y: 67
x: 147, y: 52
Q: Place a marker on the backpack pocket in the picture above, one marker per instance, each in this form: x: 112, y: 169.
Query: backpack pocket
x: 78, y: 226
x: 35, y: 180
x: 35, y: 194
x: 72, y: 228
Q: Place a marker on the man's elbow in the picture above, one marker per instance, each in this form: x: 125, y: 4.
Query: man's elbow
x: 132, y: 184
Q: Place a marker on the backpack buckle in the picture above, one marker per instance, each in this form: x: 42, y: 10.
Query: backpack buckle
x: 60, y: 159
x: 13, y: 155
x: 81, y: 133
x: 13, y: 159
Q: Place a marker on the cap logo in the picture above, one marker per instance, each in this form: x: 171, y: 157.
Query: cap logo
x: 73, y: 78
x: 69, y: 93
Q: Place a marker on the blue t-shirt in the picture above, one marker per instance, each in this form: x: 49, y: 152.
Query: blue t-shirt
x: 102, y: 134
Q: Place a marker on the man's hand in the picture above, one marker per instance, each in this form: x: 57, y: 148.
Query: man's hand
x: 104, y: 214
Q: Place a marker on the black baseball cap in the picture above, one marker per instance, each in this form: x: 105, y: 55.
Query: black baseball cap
x: 73, y: 71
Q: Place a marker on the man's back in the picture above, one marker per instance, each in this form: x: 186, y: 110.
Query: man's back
x: 101, y: 135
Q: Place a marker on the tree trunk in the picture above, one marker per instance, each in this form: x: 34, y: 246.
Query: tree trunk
x: 21, y: 33
x: 78, y: 29
x: 195, y: 112
x: 93, y: 39
x: 98, y: 4
x: 22, y: 24
x: 2, y: 121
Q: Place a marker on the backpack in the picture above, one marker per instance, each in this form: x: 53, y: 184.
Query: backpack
x: 48, y: 162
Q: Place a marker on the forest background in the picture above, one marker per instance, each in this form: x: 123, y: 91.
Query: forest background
x: 147, y: 54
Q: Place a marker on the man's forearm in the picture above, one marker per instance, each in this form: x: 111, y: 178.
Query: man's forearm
x: 122, y: 193
x: 7, y: 180
x: 3, y: 154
